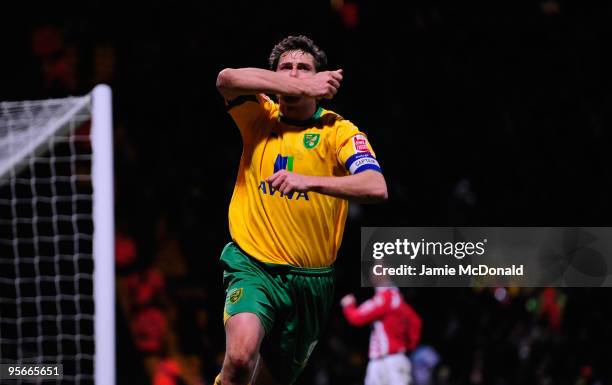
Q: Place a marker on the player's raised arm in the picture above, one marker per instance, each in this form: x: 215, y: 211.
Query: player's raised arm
x: 233, y: 82
x: 368, y: 312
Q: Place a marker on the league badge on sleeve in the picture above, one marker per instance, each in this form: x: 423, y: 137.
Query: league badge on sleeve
x: 360, y: 143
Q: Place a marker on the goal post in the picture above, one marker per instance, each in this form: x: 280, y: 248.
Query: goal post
x: 57, y: 289
x: 104, y: 235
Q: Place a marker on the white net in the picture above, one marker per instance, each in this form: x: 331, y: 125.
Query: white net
x: 46, y: 236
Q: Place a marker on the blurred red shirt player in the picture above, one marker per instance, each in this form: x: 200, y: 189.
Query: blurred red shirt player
x: 396, y: 330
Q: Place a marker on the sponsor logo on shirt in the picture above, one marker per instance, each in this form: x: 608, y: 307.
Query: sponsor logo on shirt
x: 283, y: 163
x: 266, y: 188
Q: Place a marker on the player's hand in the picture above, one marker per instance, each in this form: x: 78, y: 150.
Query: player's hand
x: 348, y: 300
x: 287, y: 182
x: 324, y: 84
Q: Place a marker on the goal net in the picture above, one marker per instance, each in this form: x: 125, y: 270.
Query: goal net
x: 57, y: 237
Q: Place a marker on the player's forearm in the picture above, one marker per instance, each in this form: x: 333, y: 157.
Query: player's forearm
x: 365, y: 187
x: 247, y: 81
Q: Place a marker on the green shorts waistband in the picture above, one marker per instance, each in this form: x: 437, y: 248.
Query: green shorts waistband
x: 286, y: 268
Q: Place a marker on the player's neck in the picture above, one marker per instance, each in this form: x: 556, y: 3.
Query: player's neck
x: 298, y: 112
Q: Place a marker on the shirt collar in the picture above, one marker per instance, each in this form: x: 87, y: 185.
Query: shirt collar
x: 302, y: 123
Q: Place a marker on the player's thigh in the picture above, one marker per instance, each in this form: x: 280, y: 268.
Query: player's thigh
x: 370, y: 375
x: 288, y: 347
x: 399, y: 369
x: 247, y: 287
x: 243, y: 333
x: 376, y: 373
x: 262, y: 374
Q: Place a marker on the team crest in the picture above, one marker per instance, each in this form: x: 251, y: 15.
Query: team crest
x: 236, y: 295
x: 311, y: 140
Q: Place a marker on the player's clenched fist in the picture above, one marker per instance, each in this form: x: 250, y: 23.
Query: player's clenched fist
x: 324, y: 84
x: 287, y: 182
x: 347, y: 300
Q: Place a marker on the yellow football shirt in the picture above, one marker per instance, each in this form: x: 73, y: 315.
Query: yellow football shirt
x: 300, y: 229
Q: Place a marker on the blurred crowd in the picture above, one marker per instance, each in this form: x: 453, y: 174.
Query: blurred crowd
x: 480, y: 113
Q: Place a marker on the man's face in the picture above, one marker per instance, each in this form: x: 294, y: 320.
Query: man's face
x: 297, y: 64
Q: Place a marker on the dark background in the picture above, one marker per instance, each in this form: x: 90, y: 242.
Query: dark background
x: 483, y: 114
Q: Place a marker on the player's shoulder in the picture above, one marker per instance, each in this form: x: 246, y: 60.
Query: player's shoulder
x: 391, y: 294
x: 265, y: 99
x: 257, y: 101
x: 384, y: 292
x: 268, y: 104
x: 340, y: 128
x: 334, y: 120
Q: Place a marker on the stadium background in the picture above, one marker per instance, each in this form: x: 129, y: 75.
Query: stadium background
x: 480, y: 113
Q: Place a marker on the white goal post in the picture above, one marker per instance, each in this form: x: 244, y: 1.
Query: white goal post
x: 104, y: 235
x: 57, y: 279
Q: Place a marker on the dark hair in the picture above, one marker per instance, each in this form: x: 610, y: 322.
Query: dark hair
x: 298, y: 43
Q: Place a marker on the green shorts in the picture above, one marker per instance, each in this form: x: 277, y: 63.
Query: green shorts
x: 293, y: 304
